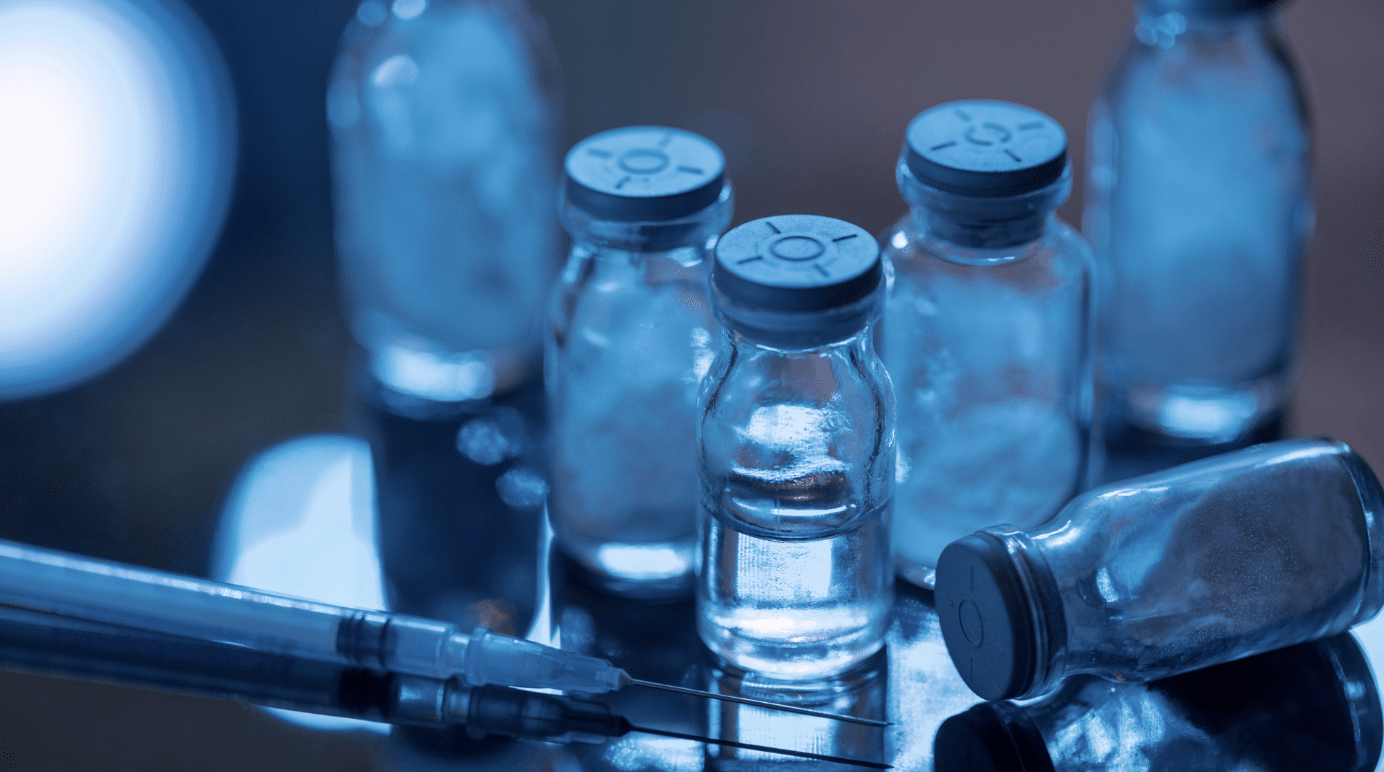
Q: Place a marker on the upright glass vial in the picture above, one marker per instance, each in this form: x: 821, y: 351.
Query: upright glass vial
x: 444, y: 120
x: 630, y: 335
x: 987, y: 332
x: 797, y: 452
x: 1200, y: 564
x: 1198, y: 206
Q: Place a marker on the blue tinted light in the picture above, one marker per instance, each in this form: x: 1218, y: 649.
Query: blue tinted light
x: 117, y: 144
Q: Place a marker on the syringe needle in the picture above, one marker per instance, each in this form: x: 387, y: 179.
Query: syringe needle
x: 759, y: 703
x: 762, y: 748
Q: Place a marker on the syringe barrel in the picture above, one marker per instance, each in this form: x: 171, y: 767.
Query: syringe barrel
x: 516, y: 713
x: 97, y: 590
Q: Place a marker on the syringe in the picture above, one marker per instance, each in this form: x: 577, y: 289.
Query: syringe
x: 53, y: 645
x: 114, y: 593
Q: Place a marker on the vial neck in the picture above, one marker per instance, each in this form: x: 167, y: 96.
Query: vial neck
x: 1041, y: 589
x: 974, y: 233
x: 757, y: 344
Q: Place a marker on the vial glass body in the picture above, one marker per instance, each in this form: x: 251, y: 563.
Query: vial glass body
x: 1199, y: 207
x: 989, y: 349
x: 444, y: 121
x: 1200, y: 564
x: 797, y: 466
x: 630, y: 335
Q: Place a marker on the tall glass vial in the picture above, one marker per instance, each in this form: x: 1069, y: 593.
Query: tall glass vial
x: 444, y: 120
x: 988, y: 330
x: 796, y: 432
x: 1200, y: 564
x: 1199, y: 208
x: 630, y: 335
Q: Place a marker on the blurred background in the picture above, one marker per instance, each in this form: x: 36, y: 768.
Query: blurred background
x: 809, y: 100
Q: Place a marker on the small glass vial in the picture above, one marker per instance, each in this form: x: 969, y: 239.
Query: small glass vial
x: 797, y: 452
x: 630, y: 335
x: 1200, y: 564
x: 1310, y: 706
x: 1199, y: 208
x: 988, y: 330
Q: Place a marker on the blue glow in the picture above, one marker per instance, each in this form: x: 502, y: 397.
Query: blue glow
x: 301, y: 521
x: 117, y: 145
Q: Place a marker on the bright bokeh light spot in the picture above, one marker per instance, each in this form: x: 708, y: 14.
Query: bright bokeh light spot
x: 300, y: 521
x: 117, y: 143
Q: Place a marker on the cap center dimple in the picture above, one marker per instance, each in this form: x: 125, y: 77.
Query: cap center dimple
x: 797, y: 248
x: 988, y: 133
x: 971, y: 625
x: 643, y: 160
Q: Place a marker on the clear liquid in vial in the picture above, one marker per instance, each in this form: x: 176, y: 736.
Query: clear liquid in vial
x: 793, y: 586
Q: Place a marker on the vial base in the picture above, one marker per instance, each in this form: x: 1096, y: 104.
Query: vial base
x: 660, y: 570
x: 1208, y: 414
x: 795, y: 609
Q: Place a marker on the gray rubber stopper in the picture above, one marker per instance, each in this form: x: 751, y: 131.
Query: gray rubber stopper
x: 985, y: 619
x: 644, y: 173
x: 797, y: 262
x: 985, y: 149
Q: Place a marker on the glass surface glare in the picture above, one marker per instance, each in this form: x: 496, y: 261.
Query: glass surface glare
x: 117, y: 145
x: 300, y: 521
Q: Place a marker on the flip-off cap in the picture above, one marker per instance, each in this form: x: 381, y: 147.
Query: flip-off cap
x: 797, y: 263
x: 985, y: 619
x: 644, y: 173
x: 985, y: 149
x: 984, y: 740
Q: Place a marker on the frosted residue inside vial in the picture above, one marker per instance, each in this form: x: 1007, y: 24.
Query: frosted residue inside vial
x: 445, y: 185
x: 985, y: 361
x: 634, y: 352
x: 1010, y: 461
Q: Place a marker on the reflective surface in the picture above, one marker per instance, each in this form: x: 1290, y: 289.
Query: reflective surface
x: 807, y: 98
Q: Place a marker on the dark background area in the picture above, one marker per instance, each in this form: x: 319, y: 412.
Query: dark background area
x: 809, y: 99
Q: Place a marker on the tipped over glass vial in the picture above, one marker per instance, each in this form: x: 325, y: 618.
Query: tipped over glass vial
x: 797, y: 456
x: 1199, y: 207
x: 630, y: 335
x: 988, y: 330
x: 1200, y: 564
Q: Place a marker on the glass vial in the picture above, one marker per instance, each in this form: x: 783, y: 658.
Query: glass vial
x: 444, y: 122
x: 630, y: 335
x: 988, y: 330
x: 1200, y: 564
x: 1198, y: 206
x: 797, y: 452
x: 1310, y: 706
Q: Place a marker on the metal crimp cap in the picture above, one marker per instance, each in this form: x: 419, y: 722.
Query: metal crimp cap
x: 644, y: 173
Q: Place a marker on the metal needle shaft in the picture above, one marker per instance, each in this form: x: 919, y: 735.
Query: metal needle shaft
x: 759, y: 703
x: 764, y: 748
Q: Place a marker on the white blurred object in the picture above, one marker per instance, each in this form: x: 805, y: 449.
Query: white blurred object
x: 117, y: 154
x: 301, y: 521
